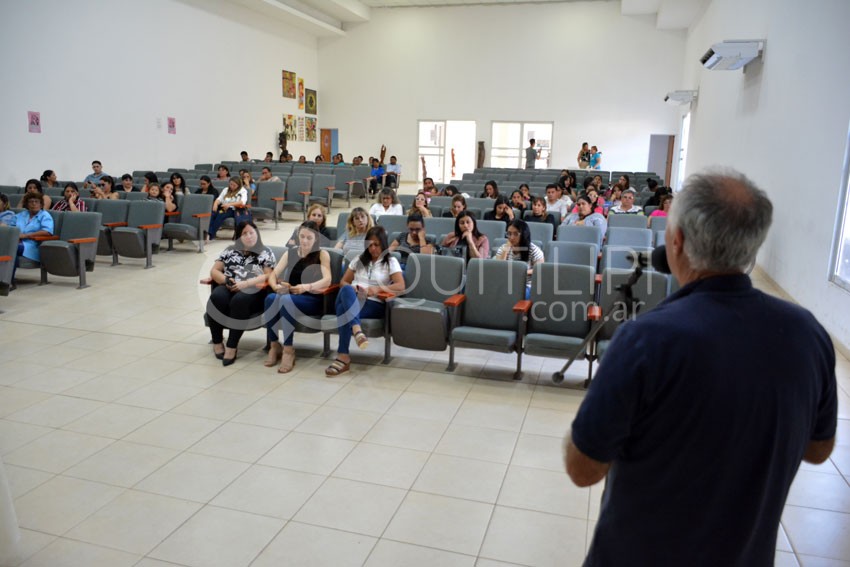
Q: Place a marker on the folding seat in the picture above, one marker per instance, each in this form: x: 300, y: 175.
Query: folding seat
x: 659, y: 238
x: 344, y: 183
x: 302, y: 168
x: 444, y: 202
x: 192, y: 222
x: 625, y: 236
x: 10, y: 190
x: 322, y: 188
x: 577, y: 253
x: 134, y: 196
x: 177, y: 170
x: 622, y: 257
x: 205, y: 167
x: 270, y: 198
x: 627, y: 221
x: 573, y: 233
x: 439, y: 226
x: 298, y: 193
x: 562, y: 306
x: 493, y: 229
x: 483, y: 203
x: 72, y: 252
x: 393, y: 223
x: 658, y: 224
x: 421, y: 319
x: 54, y: 192
x: 141, y: 233
x: 406, y: 201
x: 361, y: 173
x: 515, y: 178
x: 9, y: 236
x: 220, y: 183
x: 114, y: 214
x: 648, y: 210
x: 492, y: 309
x: 541, y: 232
x: 91, y: 203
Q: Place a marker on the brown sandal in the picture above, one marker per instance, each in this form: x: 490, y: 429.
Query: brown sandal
x: 275, y: 351
x: 337, y: 367
x: 287, y: 361
x: 361, y: 339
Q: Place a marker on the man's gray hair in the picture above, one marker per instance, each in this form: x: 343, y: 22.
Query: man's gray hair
x: 724, y: 218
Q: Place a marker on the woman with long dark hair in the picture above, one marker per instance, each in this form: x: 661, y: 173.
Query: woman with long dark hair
x: 519, y: 247
x: 466, y: 241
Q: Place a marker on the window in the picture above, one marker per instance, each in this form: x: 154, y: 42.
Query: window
x: 840, y: 257
x: 683, y: 150
x: 448, y: 148
x: 509, y: 140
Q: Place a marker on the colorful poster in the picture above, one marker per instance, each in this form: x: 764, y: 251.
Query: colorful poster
x: 290, y: 127
x: 172, y: 125
x: 311, y: 103
x: 300, y: 94
x: 34, y: 122
x: 301, y: 136
x: 311, y: 129
x: 288, y: 79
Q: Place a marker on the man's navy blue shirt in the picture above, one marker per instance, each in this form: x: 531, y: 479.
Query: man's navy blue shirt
x: 704, y: 407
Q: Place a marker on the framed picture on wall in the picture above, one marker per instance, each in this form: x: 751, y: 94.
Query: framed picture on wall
x: 290, y: 127
x: 300, y: 94
x: 301, y: 134
x: 311, y: 129
x: 310, y: 103
x: 288, y: 80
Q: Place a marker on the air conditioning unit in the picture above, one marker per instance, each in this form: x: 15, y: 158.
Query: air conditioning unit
x: 731, y: 54
x: 680, y: 97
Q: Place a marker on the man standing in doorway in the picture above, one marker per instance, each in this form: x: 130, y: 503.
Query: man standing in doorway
x: 531, y: 155
x: 701, y: 432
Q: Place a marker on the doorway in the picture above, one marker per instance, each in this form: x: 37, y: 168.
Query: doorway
x: 446, y: 149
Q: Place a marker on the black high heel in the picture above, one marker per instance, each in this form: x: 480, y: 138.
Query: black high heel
x: 218, y: 355
x: 228, y: 361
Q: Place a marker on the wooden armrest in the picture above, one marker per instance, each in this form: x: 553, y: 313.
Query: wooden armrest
x: 455, y: 300
x: 597, y: 279
x: 5, y: 258
x: 522, y: 306
x: 149, y: 226
x: 114, y: 224
x: 305, y: 193
x: 351, y: 182
x: 386, y: 295
x: 330, y: 289
x: 278, y: 199
x: 594, y: 312
x: 330, y: 188
x: 43, y: 238
x: 172, y: 213
x: 201, y: 215
x: 206, y: 281
x: 82, y: 240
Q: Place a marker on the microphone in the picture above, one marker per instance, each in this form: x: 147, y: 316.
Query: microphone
x: 659, y: 259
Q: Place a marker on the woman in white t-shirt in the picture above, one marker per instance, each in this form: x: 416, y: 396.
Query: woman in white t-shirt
x: 370, y: 274
x: 388, y: 204
x: 230, y: 203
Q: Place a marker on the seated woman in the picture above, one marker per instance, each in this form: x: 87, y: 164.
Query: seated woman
x: 72, y: 201
x: 298, y: 280
x: 502, y: 211
x: 414, y: 241
x: 205, y: 186
x: 449, y: 191
x: 663, y: 209
x: 519, y: 247
x: 179, y: 183
x: 567, y: 183
x: 540, y: 214
x: 48, y: 178
x: 7, y: 215
x: 150, y: 179
x: 169, y: 197
x: 104, y: 188
x: 458, y: 206
x: 491, y: 190
x: 525, y: 191
x: 420, y: 206
x: 126, y: 184
x: 229, y: 204
x: 238, y: 278
x: 387, y: 204
x: 466, y: 242
x: 33, y: 222
x: 599, y: 204
x: 34, y: 186
x: 586, y: 216
x: 316, y: 213
x: 155, y: 193
x: 358, y: 224
x: 247, y: 181
x: 519, y: 202
x: 374, y: 271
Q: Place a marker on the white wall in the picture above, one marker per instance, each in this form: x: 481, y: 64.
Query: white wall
x: 599, y: 76
x: 783, y: 123
x: 102, y: 71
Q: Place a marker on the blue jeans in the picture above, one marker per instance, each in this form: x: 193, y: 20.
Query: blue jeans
x: 15, y: 265
x: 287, y: 310
x: 349, y: 311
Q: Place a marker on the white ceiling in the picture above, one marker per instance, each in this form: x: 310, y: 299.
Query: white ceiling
x: 328, y: 18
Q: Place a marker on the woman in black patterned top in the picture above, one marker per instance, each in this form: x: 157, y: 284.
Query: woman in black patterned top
x: 239, y: 276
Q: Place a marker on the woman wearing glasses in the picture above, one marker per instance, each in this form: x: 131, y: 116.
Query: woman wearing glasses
x: 519, y: 247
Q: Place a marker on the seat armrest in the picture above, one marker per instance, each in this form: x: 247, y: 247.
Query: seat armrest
x: 330, y: 289
x: 330, y: 187
x: 350, y: 183
x: 149, y: 226
x: 5, y: 258
x: 522, y: 306
x: 386, y: 295
x: 206, y: 281
x: 305, y: 193
x: 455, y: 300
x: 43, y: 238
x: 200, y: 215
x: 172, y: 213
x: 277, y: 199
x: 82, y: 240
x: 114, y: 224
x: 594, y: 312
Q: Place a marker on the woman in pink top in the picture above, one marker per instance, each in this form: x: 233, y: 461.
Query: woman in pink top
x: 662, y: 209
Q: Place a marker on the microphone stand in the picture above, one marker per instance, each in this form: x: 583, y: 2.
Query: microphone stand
x: 625, y: 302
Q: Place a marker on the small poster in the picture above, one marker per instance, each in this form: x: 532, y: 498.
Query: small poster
x: 300, y: 94
x: 301, y: 135
x: 290, y: 127
x: 34, y: 122
x: 172, y: 125
x: 311, y: 102
x: 311, y: 129
x: 288, y: 79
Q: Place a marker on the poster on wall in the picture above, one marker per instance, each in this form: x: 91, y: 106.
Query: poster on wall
x: 288, y: 79
x: 311, y: 129
x: 172, y: 125
x: 300, y: 94
x: 311, y: 102
x: 301, y: 135
x: 289, y: 127
x: 34, y: 122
